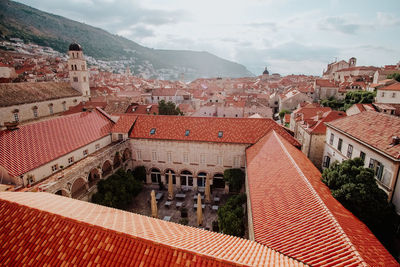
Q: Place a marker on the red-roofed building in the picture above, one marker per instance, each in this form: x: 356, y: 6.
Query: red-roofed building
x: 324, y: 89
x: 292, y: 211
x: 138, y: 109
x: 357, y: 108
x: 34, y: 151
x: 388, y: 94
x: 374, y: 137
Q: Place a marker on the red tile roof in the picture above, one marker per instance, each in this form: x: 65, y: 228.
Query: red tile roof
x: 124, y: 124
x: 318, y: 126
x: 373, y: 128
x: 392, y: 87
x: 142, y: 109
x: 325, y: 83
x: 42, y: 228
x: 41, y: 142
x: 206, y: 129
x: 83, y: 106
x: 294, y: 212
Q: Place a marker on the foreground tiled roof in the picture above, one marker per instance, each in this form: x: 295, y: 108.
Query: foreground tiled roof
x: 22, y: 93
x: 203, y: 129
x: 374, y: 128
x: 35, y: 144
x: 295, y: 213
x: 325, y: 83
x: 42, y: 228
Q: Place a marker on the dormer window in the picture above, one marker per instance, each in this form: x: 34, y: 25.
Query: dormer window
x: 153, y: 131
x: 220, y: 134
x: 187, y: 132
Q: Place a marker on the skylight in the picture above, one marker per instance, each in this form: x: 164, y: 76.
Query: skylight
x: 220, y: 133
x: 187, y: 132
x: 153, y: 131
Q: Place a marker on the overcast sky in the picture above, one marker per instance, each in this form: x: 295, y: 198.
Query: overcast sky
x: 288, y: 36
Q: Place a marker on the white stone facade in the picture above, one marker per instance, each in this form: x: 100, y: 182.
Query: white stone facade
x: 388, y: 97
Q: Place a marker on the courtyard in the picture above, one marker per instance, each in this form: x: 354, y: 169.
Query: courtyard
x: 170, y: 210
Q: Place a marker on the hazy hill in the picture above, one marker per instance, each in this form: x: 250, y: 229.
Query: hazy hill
x: 33, y: 25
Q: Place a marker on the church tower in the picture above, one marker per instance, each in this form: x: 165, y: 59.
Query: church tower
x: 78, y: 73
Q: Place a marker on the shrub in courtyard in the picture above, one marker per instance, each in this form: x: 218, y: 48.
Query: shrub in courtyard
x: 215, y: 227
x: 139, y: 173
x: 235, y: 178
x: 118, y: 190
x: 184, y: 221
x: 231, y: 216
x: 184, y: 212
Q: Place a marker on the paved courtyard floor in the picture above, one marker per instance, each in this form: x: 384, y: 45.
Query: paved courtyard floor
x: 141, y: 205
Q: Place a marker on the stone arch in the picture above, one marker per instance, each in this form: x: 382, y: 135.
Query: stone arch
x: 126, y: 154
x: 117, y: 160
x: 106, y: 168
x: 218, y: 180
x: 63, y: 192
x: 79, y: 187
x: 173, y: 175
x: 155, y: 175
x: 93, y: 177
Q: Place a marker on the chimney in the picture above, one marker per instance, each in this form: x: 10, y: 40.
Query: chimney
x: 395, y: 140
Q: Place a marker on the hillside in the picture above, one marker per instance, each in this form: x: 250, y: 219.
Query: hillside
x: 33, y: 25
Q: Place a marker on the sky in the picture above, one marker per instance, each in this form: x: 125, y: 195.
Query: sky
x: 287, y: 36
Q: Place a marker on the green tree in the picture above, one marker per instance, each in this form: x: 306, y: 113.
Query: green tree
x: 355, y: 187
x: 140, y: 173
x: 235, y: 178
x: 282, y: 113
x: 118, y: 190
x: 395, y: 76
x: 352, y: 97
x: 168, y: 108
x: 231, y: 216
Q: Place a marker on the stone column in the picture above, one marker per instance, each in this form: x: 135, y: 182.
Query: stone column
x: 178, y: 181
x: 163, y: 179
x: 194, y: 183
x: 148, y: 178
x: 226, y: 190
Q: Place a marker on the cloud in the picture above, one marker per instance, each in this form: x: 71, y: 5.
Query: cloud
x: 342, y: 24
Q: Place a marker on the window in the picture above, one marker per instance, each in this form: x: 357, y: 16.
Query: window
x: 54, y: 167
x: 139, y: 155
x: 51, y: 109
x: 84, y: 78
x: 85, y: 152
x: 64, y: 106
x: 120, y: 136
x: 377, y: 167
x: 220, y: 134
x: 70, y: 160
x: 153, y: 131
x: 383, y: 94
x: 16, y: 116
x: 76, y: 79
x: 202, y: 159
x: 72, y: 66
x: 219, y: 160
x: 35, y: 112
x: 236, y: 161
x: 83, y: 67
x: 349, y: 151
x: 187, y: 132
x: 393, y: 95
x: 331, y: 139
x: 169, y: 156
x: 185, y: 157
x: 154, y: 155
x: 362, y: 156
x: 339, y: 145
x: 326, y: 162
x: 97, y: 146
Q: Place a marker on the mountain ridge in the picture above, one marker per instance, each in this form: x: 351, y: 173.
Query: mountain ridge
x: 42, y: 28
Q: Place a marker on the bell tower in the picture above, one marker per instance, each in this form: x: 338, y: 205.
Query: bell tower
x: 78, y: 73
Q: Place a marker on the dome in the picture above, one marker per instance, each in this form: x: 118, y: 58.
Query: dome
x: 75, y: 47
x: 266, y: 71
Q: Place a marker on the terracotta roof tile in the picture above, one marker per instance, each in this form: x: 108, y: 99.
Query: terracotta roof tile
x: 42, y: 142
x: 21, y: 93
x: 295, y: 213
x: 325, y: 83
x: 206, y: 129
x: 124, y: 124
x: 374, y: 128
x: 67, y: 231
x: 392, y: 87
